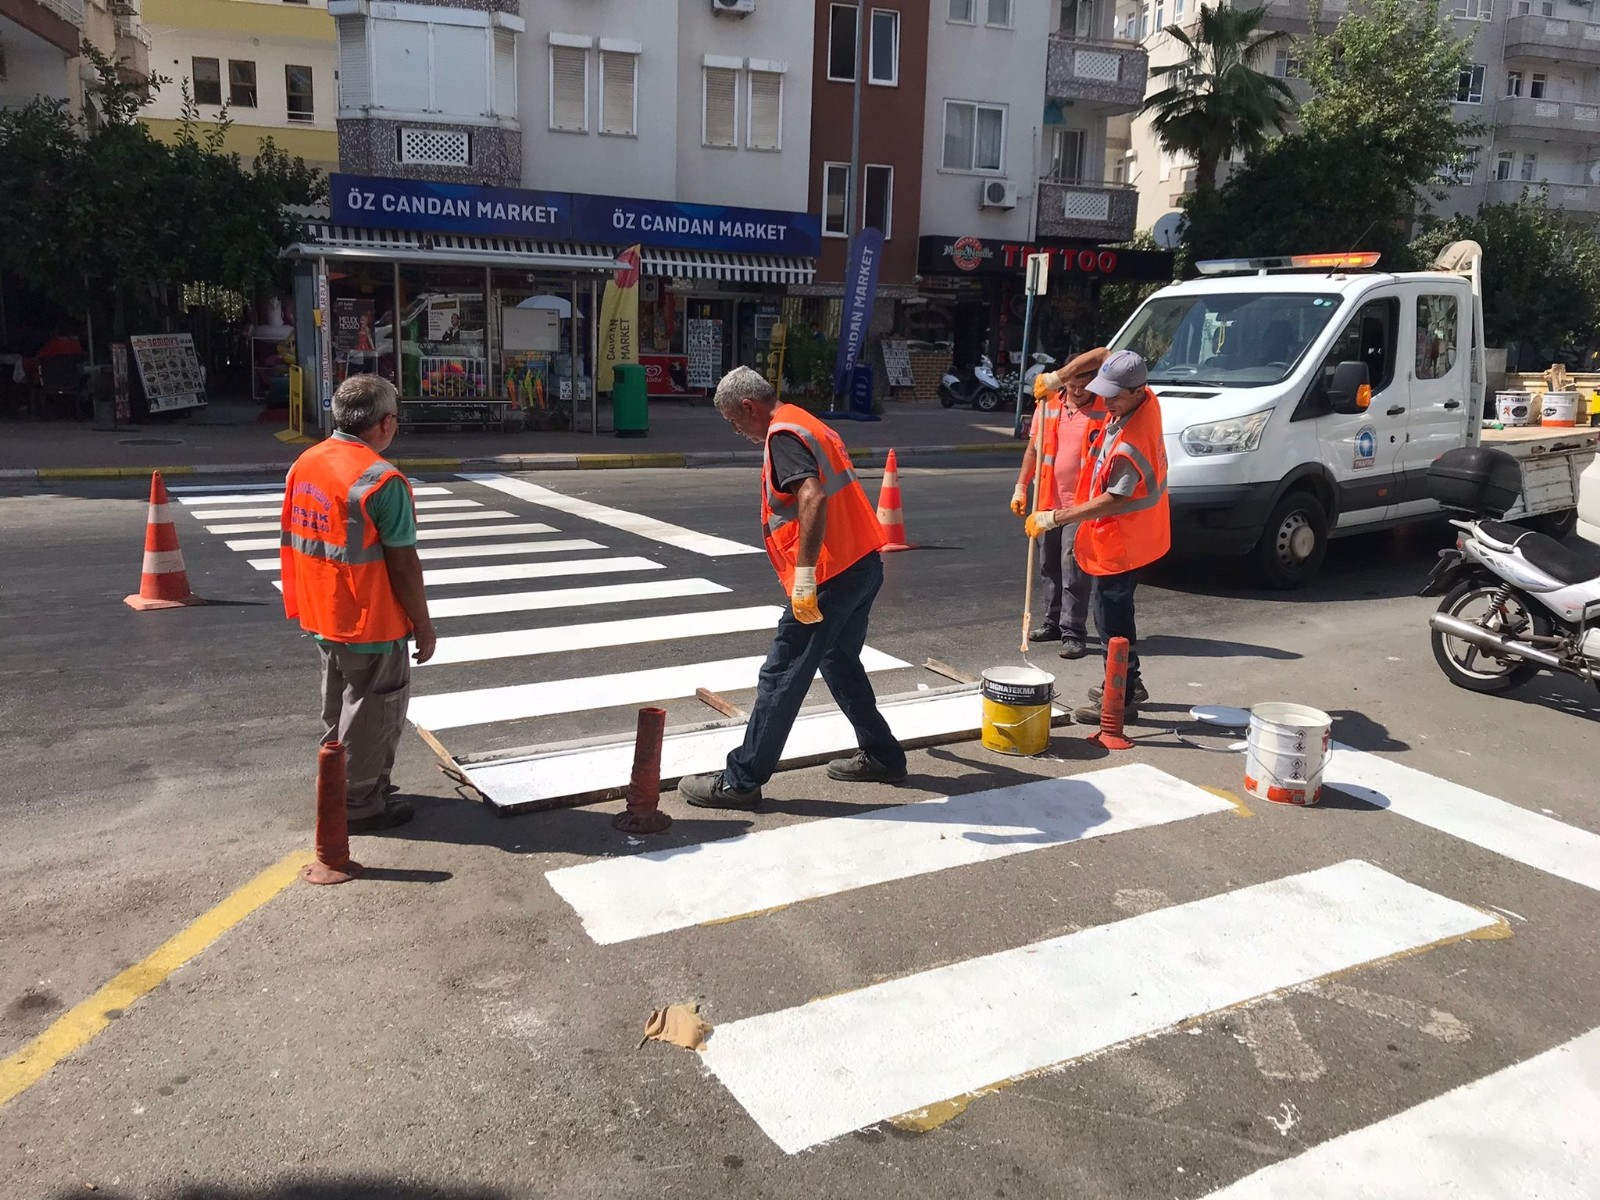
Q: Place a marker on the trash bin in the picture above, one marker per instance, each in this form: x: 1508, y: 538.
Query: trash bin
x: 630, y: 406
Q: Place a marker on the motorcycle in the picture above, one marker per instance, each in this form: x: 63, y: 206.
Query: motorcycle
x: 976, y: 386
x: 1042, y: 362
x: 1515, y: 602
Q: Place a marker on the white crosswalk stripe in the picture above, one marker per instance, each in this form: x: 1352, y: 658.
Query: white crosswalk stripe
x: 560, y: 546
x: 633, y: 631
x: 235, y: 514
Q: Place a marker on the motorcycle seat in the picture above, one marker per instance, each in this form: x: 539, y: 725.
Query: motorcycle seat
x: 1503, y: 533
x: 1569, y: 564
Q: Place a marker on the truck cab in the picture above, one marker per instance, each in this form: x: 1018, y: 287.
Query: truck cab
x: 1301, y: 404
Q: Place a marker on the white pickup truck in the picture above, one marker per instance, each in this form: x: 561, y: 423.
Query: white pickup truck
x: 1305, y: 398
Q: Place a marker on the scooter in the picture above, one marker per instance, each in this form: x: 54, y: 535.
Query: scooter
x: 976, y: 386
x: 1042, y: 362
x: 1515, y: 602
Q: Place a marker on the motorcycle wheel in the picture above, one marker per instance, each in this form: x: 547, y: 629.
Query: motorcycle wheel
x: 1477, y: 670
x: 987, y: 400
x: 947, y: 401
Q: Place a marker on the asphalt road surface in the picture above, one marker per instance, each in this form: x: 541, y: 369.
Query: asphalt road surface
x: 1082, y: 975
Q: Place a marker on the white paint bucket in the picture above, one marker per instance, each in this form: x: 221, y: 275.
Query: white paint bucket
x: 1515, y: 409
x: 1286, y: 750
x: 1561, y: 409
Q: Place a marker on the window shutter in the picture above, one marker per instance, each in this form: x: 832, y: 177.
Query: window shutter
x: 569, y: 89
x: 766, y: 110
x: 722, y: 107
x: 505, y: 73
x: 355, y: 82
x: 459, y: 88
x: 402, y: 48
x: 618, y: 78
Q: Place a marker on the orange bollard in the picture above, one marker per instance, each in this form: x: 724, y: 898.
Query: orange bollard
x: 333, y: 864
x: 890, y: 514
x: 163, y: 582
x: 1112, y: 698
x: 644, y: 788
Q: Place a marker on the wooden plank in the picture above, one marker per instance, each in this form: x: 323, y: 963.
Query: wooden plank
x: 939, y: 667
x: 720, y: 703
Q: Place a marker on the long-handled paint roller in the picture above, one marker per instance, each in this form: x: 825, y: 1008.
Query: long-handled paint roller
x: 1036, y: 440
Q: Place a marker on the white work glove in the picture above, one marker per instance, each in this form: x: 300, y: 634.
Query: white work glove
x: 1041, y: 522
x: 803, y: 596
x: 1019, y: 501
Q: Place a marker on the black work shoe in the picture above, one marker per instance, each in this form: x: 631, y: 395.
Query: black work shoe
x: 863, y: 768
x: 395, y: 814
x: 1135, y: 697
x: 1044, y: 633
x: 1089, y: 714
x: 1073, y: 647
x: 711, y: 791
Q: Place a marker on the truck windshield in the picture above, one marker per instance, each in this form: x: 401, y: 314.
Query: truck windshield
x: 1228, y: 340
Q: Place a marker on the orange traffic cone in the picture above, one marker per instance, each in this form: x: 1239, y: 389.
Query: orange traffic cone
x: 890, y: 515
x: 164, y: 583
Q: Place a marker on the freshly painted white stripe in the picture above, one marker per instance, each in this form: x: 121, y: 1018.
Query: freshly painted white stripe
x: 1531, y: 1130
x: 1519, y: 834
x: 623, y: 898
x: 598, y: 596
x: 161, y: 562
x: 815, y: 1072
x: 235, y: 514
x: 519, y: 643
x: 541, y: 777
x: 427, y: 552
x: 247, y: 526
x: 484, y: 531
x: 499, y: 572
x: 276, y: 493
x: 645, y: 527
x: 488, y: 514
x: 483, y: 706
x: 200, y: 489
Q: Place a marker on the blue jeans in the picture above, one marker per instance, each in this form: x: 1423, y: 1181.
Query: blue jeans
x: 798, y: 652
x: 1113, y: 615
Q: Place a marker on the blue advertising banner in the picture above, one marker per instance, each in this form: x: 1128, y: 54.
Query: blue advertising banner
x: 373, y: 202
x: 860, y: 293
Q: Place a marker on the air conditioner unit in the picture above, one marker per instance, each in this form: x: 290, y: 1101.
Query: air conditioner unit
x: 997, y: 193
x: 734, y: 8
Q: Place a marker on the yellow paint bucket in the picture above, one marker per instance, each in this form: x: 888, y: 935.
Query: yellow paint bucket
x: 1016, y: 710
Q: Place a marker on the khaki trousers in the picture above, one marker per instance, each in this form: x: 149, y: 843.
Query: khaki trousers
x: 364, y: 698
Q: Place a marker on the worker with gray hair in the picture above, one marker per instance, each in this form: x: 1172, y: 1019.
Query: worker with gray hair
x: 823, y: 538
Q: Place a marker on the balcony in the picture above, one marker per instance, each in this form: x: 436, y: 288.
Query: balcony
x: 1578, y: 199
x: 133, y: 49
x: 59, y: 22
x: 1556, y: 41
x: 1109, y: 76
x: 1106, y: 212
x: 1557, y: 121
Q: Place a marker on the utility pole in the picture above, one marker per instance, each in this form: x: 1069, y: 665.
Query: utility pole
x: 852, y: 192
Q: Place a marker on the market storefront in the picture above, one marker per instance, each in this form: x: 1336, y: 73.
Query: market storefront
x: 481, y: 304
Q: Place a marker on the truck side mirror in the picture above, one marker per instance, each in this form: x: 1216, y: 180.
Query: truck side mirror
x: 1350, y: 392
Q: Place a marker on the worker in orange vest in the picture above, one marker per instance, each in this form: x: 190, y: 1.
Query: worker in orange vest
x: 352, y: 577
x: 823, y: 538
x: 1121, y: 510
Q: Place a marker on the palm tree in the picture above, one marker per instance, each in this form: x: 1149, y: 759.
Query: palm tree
x: 1216, y: 102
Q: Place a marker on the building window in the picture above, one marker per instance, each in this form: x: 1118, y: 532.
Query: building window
x: 1530, y: 164
x: 207, y: 76
x: 1536, y: 86
x: 1463, y: 171
x: 1513, y: 83
x: 1177, y: 10
x: 241, y: 83
x: 1066, y: 155
x: 885, y: 48
x: 720, y: 124
x: 1503, y: 164
x: 842, y: 42
x: 1475, y: 10
x: 1469, y: 88
x: 1144, y: 22
x: 1077, y: 18
x: 569, y: 89
x: 877, y: 198
x: 961, y: 11
x: 1161, y: 15
x: 974, y: 136
x: 999, y: 13
x: 1547, y: 8
x: 297, y: 87
x: 835, y: 198
x: 619, y: 79
x: 766, y: 111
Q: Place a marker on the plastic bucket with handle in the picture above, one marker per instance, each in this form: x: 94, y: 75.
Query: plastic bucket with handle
x: 1560, y: 409
x: 1286, y: 751
x: 1016, y: 710
x: 1515, y: 409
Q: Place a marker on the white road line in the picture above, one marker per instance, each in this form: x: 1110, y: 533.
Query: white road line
x: 518, y: 643
x: 264, y: 497
x: 623, y: 898
x: 818, y: 1071
x: 645, y: 527
x: 198, y: 489
x: 1517, y: 833
x: 1531, y: 1130
x: 431, y: 552
x: 246, y: 527
x: 488, y: 514
x: 423, y: 534
x: 483, y: 706
x: 578, y: 597
x: 499, y: 572
x: 541, y: 777
x: 236, y: 514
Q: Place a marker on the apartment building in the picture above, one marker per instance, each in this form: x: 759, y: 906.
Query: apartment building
x: 269, y: 64
x: 40, y: 47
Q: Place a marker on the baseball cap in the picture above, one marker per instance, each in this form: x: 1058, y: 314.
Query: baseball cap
x: 1121, y: 371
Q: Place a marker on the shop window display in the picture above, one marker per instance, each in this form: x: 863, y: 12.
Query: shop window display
x: 443, y: 352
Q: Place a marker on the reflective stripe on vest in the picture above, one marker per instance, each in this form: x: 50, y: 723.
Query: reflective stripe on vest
x: 851, y: 529
x: 1140, y: 533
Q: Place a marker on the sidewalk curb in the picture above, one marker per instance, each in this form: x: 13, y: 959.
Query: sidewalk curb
x: 866, y: 455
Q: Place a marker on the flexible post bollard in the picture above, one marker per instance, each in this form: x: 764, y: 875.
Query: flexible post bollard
x: 1113, y: 697
x: 643, y: 814
x: 333, y: 863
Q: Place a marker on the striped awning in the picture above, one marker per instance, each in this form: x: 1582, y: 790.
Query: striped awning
x: 347, y: 242
x: 735, y: 268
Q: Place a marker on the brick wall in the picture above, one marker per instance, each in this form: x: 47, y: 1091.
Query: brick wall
x: 927, y: 368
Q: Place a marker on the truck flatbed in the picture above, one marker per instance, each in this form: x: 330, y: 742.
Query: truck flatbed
x: 1540, y: 433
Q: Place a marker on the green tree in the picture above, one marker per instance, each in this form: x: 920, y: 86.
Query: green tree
x: 1216, y: 101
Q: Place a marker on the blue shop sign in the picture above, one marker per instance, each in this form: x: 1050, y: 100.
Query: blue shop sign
x: 374, y: 202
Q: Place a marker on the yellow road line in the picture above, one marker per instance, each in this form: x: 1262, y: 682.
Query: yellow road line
x: 76, y: 1027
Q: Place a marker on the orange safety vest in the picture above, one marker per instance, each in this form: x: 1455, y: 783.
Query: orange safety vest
x: 335, y: 579
x: 1141, y: 534
x: 851, y: 532
x: 1049, y: 412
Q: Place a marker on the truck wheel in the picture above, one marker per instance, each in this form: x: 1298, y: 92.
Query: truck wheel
x: 1465, y: 665
x: 1294, y: 542
x: 987, y: 400
x: 1557, y: 524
